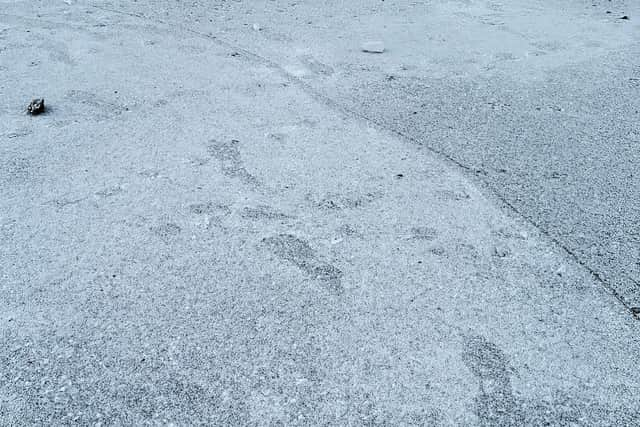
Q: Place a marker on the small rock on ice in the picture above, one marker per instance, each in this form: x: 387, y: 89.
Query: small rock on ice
x: 501, y: 251
x: 373, y: 47
x: 36, y: 106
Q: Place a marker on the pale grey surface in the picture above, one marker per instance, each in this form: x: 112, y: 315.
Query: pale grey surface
x: 191, y: 235
x: 540, y: 100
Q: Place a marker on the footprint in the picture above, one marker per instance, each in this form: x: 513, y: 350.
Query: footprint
x: 211, y: 213
x: 348, y: 230
x: 438, y: 251
x: 167, y: 231
x: 495, y: 403
x: 94, y: 106
x: 19, y: 133
x: 454, y: 195
x: 61, y: 203
x: 149, y: 173
x: 334, y: 201
x: 464, y: 251
x: 262, y: 212
x: 424, y: 233
x: 228, y: 154
x: 298, y: 252
x: 492, y: 19
x: 199, y: 161
x: 210, y: 208
x: 315, y: 66
x: 14, y: 170
x: 505, y: 56
x: 58, y: 52
x: 108, y: 192
x: 546, y: 46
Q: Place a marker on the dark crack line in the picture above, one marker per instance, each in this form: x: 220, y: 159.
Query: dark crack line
x: 329, y: 102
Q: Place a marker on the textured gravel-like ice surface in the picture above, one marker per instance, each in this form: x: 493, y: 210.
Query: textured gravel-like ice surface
x: 217, y: 222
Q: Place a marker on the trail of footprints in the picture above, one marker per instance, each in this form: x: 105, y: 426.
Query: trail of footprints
x: 285, y: 246
x: 293, y: 249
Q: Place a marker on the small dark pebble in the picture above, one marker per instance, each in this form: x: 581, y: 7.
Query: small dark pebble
x: 501, y: 251
x: 635, y: 310
x: 399, y: 175
x: 36, y: 107
x: 624, y: 17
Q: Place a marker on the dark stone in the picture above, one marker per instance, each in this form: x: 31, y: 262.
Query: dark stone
x: 36, y: 107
